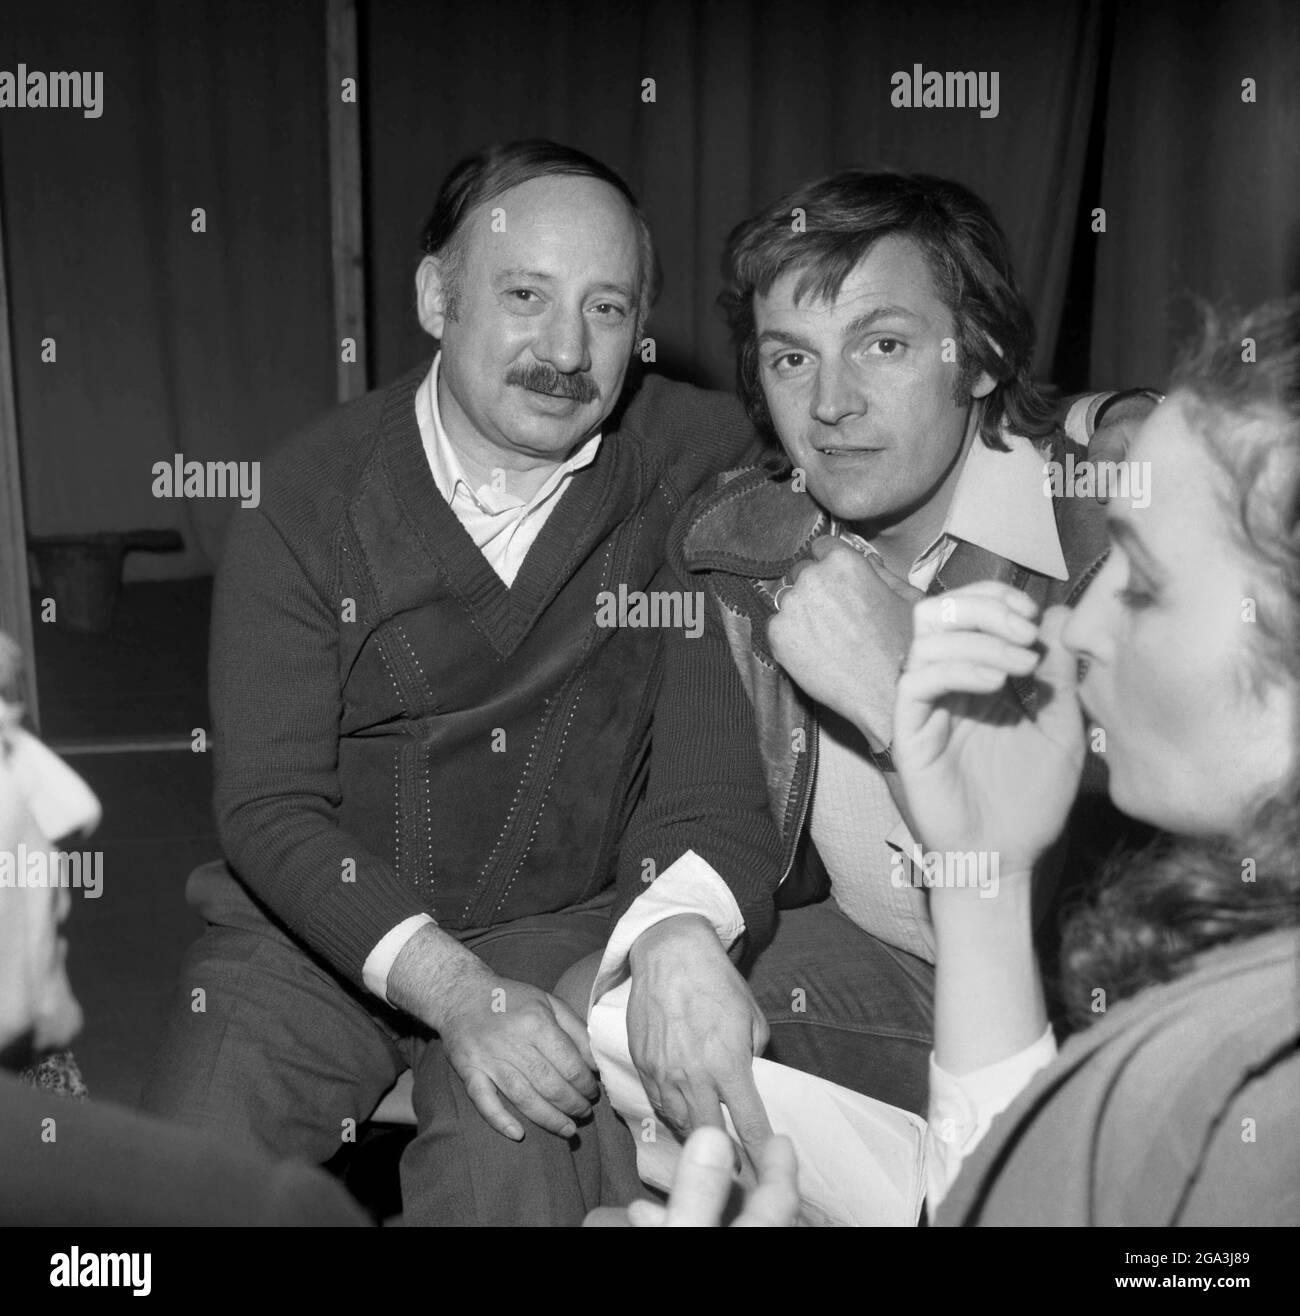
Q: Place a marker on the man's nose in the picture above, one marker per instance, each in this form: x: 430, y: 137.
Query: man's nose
x: 836, y: 393
x: 59, y: 801
x: 563, y: 342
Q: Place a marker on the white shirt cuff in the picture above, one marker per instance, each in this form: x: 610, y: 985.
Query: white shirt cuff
x: 689, y: 885
x: 1081, y: 418
x: 379, y: 963
x: 961, y: 1109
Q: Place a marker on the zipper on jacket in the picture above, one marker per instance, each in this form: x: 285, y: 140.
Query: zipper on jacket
x: 807, y: 796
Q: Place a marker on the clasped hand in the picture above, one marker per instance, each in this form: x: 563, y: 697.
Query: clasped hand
x: 508, y: 1038
x: 843, y: 627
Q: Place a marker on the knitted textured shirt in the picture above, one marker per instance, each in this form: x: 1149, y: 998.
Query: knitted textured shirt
x: 397, y: 732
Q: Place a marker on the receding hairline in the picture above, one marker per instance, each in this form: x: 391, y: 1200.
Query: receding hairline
x: 451, y: 254
x: 493, y: 199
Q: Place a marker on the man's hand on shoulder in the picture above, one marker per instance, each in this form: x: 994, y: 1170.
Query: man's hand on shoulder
x: 506, y: 1039
x: 693, y: 1030
x: 1117, y: 427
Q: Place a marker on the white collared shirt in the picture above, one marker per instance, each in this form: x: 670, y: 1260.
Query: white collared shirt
x: 504, y: 527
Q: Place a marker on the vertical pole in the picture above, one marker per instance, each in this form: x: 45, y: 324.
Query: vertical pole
x: 346, y: 216
x: 15, y: 602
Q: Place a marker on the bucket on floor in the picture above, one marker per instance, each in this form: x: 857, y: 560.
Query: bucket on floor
x: 83, y: 573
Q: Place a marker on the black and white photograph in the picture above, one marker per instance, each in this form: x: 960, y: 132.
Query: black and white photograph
x: 632, y: 615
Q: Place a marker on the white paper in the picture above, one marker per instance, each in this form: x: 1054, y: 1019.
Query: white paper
x: 861, y: 1161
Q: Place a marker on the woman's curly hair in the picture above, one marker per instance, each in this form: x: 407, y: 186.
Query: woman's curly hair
x: 1239, y: 386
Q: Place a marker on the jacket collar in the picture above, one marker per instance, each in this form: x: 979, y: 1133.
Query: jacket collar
x: 756, y: 524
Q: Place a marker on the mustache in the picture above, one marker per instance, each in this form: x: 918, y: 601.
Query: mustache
x: 546, y: 379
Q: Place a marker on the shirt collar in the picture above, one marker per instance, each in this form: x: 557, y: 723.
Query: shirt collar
x: 445, y: 464
x: 1000, y: 504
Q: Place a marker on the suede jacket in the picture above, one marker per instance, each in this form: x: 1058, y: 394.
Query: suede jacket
x: 735, y: 543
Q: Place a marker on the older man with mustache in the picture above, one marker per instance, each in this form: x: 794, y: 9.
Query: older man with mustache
x: 426, y: 748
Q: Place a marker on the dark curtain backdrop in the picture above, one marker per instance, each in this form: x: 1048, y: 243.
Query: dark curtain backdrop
x: 217, y: 345
x: 214, y: 344
x: 752, y: 97
x: 1201, y: 190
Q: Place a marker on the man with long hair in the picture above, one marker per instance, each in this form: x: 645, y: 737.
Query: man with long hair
x: 882, y: 338
x: 425, y: 744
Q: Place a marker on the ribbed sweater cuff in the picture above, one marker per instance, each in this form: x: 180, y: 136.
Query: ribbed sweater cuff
x: 353, y: 917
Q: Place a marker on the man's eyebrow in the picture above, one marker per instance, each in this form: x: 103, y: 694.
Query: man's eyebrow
x: 624, y: 289
x: 868, y: 321
x: 850, y: 330
x: 540, y: 276
x: 785, y: 338
x: 518, y: 272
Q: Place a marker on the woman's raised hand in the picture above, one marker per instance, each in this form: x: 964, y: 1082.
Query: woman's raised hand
x: 980, y: 774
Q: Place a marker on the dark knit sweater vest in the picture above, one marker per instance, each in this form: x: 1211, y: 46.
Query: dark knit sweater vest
x: 397, y: 732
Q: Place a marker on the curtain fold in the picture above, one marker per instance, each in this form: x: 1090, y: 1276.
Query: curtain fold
x: 1201, y: 188
x: 210, y: 344
x: 217, y: 345
x: 750, y: 98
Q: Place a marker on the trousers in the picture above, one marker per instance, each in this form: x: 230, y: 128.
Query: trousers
x: 846, y: 1006
x: 265, y: 1044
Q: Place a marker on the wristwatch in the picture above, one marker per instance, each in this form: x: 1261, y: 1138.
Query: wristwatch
x: 1122, y: 396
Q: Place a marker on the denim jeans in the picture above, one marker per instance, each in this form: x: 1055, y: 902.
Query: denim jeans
x: 845, y: 1006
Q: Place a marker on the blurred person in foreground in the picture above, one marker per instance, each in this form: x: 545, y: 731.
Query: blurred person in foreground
x: 76, y: 1163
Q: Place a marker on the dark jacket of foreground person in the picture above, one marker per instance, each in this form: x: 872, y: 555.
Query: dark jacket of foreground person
x: 1177, y: 1107
x: 71, y: 1164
